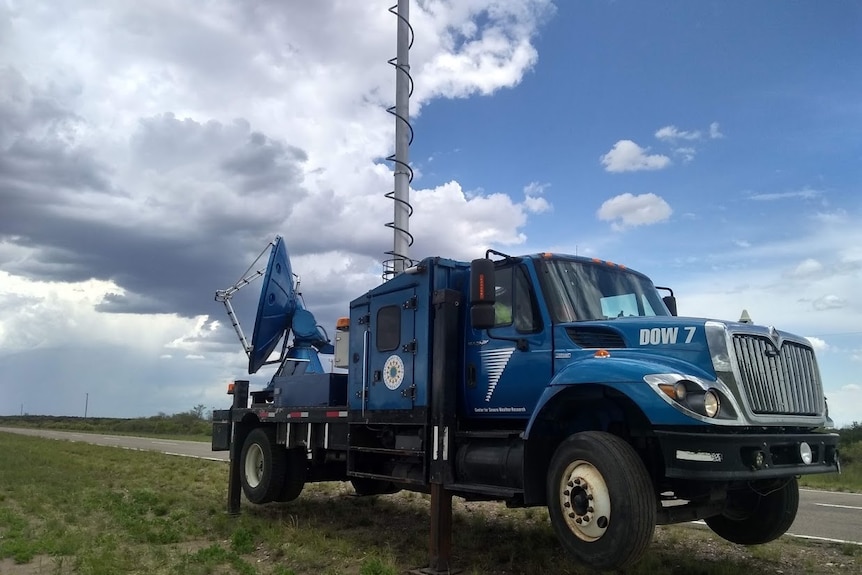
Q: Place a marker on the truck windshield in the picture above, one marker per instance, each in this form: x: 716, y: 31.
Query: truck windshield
x: 582, y: 291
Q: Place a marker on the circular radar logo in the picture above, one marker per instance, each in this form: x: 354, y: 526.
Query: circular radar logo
x: 393, y: 372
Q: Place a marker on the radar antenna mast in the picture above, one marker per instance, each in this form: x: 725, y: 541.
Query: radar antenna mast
x: 402, y: 239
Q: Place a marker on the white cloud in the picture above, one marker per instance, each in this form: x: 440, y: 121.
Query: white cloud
x: 714, y: 131
x: 672, y: 133
x: 211, y: 133
x: 803, y: 194
x: 627, y: 156
x: 627, y: 210
x: 742, y: 243
x: 487, y: 219
x: 836, y: 217
x: 818, y: 344
x: 533, y: 202
x: 686, y: 153
x: 829, y: 302
x: 466, y: 58
x: 844, y: 404
x: 807, y: 267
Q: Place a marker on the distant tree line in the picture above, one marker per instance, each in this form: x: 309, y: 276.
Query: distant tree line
x: 192, y: 422
x: 850, y: 446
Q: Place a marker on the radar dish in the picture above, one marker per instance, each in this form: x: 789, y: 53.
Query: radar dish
x: 276, y: 307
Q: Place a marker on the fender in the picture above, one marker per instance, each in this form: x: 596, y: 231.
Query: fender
x: 624, y: 373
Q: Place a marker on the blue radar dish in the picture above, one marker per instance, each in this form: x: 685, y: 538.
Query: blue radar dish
x: 276, y: 307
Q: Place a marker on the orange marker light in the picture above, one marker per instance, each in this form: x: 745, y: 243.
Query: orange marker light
x: 342, y: 323
x: 230, y: 388
x: 481, y: 286
x: 602, y: 353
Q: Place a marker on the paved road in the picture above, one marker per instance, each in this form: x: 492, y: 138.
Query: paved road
x: 823, y: 515
x: 197, y: 449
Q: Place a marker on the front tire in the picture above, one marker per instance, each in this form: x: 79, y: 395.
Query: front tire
x: 757, y: 517
x: 263, y: 464
x: 601, y: 500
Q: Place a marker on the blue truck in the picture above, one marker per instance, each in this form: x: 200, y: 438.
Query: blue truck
x: 539, y: 380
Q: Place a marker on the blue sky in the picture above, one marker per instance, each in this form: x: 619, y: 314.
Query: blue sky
x: 780, y: 83
x: 714, y: 146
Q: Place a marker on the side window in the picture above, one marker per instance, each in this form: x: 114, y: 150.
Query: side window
x: 527, y: 318
x: 515, y: 301
x: 388, y: 328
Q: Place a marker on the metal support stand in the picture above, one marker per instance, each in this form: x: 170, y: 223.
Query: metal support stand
x: 234, y: 488
x: 440, y: 542
x: 441, y: 529
x: 444, y: 373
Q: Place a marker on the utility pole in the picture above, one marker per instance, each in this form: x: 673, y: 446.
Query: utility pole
x: 86, y: 405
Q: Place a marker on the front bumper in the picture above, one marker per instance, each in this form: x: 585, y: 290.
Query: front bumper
x: 734, y: 456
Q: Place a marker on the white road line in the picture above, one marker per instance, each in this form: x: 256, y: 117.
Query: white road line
x: 193, y: 456
x: 826, y: 539
x: 824, y: 491
x: 164, y: 442
x: 839, y: 506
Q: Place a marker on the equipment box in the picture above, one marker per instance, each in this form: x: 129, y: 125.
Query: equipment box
x: 310, y: 390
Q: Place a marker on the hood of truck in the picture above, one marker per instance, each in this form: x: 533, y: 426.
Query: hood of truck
x: 773, y: 374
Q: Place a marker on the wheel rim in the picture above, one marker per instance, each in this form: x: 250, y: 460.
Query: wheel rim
x: 585, y: 501
x: 254, y: 465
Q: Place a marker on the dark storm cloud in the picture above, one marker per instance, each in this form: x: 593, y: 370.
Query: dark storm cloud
x: 169, y: 235
x: 264, y: 164
x: 22, y: 107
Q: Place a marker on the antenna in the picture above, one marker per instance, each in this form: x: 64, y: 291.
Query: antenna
x: 400, y: 196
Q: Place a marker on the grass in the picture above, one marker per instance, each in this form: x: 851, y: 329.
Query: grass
x: 77, y: 508
x: 850, y: 478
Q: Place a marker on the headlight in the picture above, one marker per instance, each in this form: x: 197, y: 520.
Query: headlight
x: 716, y: 339
x: 711, y: 403
x: 708, y: 400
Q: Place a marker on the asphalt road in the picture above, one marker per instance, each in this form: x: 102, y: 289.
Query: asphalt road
x: 822, y: 515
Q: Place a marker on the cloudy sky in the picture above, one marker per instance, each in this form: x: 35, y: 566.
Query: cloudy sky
x: 148, y: 152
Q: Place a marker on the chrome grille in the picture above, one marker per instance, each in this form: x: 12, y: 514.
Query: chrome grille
x: 785, y: 382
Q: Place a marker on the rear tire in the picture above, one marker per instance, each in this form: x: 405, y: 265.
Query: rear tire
x: 754, y: 518
x: 262, y: 466
x: 601, y: 500
x: 294, y: 475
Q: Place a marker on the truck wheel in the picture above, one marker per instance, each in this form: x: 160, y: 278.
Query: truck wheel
x: 601, y: 500
x: 262, y: 466
x: 294, y: 475
x: 755, y: 517
x: 364, y: 486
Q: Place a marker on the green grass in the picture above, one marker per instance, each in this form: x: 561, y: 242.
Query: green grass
x: 79, y: 508
x: 850, y: 479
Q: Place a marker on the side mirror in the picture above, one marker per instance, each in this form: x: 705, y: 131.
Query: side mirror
x: 482, y: 294
x: 670, y: 302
